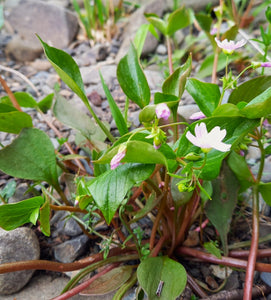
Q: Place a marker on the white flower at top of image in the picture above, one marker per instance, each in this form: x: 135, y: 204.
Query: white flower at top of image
x: 229, y: 46
x: 162, y: 111
x: 208, y: 140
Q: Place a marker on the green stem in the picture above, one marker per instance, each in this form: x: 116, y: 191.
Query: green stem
x: 264, y: 58
x: 126, y: 110
x: 125, y: 287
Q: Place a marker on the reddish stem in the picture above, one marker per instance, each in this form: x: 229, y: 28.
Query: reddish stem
x: 227, y: 261
x: 84, y: 285
x: 169, y: 52
x: 60, y: 267
x: 195, y: 287
x: 10, y: 94
x: 245, y: 253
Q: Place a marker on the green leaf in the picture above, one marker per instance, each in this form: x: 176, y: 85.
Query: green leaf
x: 220, y: 209
x: 71, y: 116
x: 239, y: 166
x: 109, y: 282
x: 204, y: 21
x: 14, y: 121
x: 230, y: 34
x: 227, y: 109
x: 8, y: 191
x: 265, y: 190
x: 250, y: 89
x: 206, y: 95
x: 46, y: 103
x: 44, y: 218
x: 212, y: 248
x: 175, y: 83
x: 132, y: 78
x: 30, y: 156
x: 17, y: 214
x: 66, y: 68
x: 110, y: 188
x: 153, y: 270
x: 137, y: 152
x: 206, y: 68
x: 141, y: 35
x: 258, y: 107
x: 157, y: 22
x: 24, y: 100
x: 116, y: 113
x: 179, y: 19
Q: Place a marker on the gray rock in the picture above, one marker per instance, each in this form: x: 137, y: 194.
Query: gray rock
x: 134, y: 22
x: 43, y: 287
x: 68, y: 226
x: 54, y: 24
x: 20, y: 193
x: 187, y: 110
x: 161, y: 49
x: 90, y: 75
x: 17, y: 245
x: 68, y: 251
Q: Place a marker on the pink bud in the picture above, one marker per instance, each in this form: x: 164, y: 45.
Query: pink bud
x: 162, y: 111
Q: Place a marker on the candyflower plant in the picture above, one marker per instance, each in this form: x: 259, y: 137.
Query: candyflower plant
x: 176, y: 182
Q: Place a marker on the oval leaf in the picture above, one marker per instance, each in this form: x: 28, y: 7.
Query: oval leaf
x: 154, y: 270
x: 14, y: 121
x: 132, y: 78
x: 30, y: 156
x: 16, y: 214
x: 110, y: 188
x: 206, y: 95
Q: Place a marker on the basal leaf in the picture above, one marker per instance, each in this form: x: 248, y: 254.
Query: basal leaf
x: 163, y: 271
x: 132, y: 78
x: 109, y: 189
x: 14, y: 121
x: 30, y: 156
x: 44, y: 217
x: 175, y: 83
x: 17, y: 214
x: 206, y: 95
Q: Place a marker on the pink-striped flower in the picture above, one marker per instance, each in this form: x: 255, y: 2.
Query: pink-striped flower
x: 197, y: 116
x: 115, y: 161
x: 229, y: 46
x: 208, y: 140
x: 162, y: 111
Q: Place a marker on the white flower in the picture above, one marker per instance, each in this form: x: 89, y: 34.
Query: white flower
x: 229, y: 46
x: 206, y: 141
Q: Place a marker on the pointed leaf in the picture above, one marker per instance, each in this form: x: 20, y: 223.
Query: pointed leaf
x: 206, y: 95
x: 179, y: 19
x: 44, y: 218
x: 17, y: 214
x: 157, y: 22
x: 66, y: 68
x: 110, y: 188
x: 46, y: 103
x: 141, y: 35
x: 14, y: 121
x: 154, y: 270
x: 258, y: 107
x: 175, y: 83
x: 132, y: 78
x: 24, y: 100
x: 220, y: 209
x: 109, y: 282
x: 115, y: 111
x: 250, y: 89
x: 30, y: 156
x: 205, y: 21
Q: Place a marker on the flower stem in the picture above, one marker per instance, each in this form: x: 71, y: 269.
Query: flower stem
x: 169, y: 51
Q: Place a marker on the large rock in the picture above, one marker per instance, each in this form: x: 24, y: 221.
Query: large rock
x: 134, y: 22
x: 17, y: 245
x: 55, y: 25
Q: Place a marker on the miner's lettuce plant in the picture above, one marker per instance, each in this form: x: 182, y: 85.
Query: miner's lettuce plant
x: 173, y: 180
